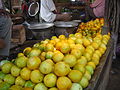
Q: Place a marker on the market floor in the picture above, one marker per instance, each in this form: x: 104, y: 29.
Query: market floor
x: 114, y: 81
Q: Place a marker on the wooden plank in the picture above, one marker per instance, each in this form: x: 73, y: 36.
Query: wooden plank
x: 105, y: 77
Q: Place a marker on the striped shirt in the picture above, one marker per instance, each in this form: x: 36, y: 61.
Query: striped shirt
x: 98, y: 7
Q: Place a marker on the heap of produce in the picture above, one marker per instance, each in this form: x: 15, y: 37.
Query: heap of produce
x: 91, y: 28
x: 58, y: 63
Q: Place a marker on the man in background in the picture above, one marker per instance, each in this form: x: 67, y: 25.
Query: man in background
x: 5, y: 31
x: 95, y: 10
x: 49, y: 13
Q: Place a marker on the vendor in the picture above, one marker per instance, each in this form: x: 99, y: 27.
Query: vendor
x: 95, y: 10
x: 5, y: 31
x: 48, y: 12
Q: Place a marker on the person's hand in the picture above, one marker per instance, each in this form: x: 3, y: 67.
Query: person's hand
x: 4, y: 13
x: 2, y: 43
x: 66, y: 17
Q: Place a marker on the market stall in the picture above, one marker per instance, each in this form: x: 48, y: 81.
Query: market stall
x: 63, y: 56
x: 90, y: 60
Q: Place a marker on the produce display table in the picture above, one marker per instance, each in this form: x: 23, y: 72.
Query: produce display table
x: 87, y: 42
x: 101, y: 76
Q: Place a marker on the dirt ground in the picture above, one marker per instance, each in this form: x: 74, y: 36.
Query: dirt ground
x: 114, y: 81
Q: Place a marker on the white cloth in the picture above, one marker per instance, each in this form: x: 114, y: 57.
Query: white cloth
x: 47, y: 6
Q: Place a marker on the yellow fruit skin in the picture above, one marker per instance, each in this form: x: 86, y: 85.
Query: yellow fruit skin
x: 49, y: 55
x: 95, y: 61
x: 90, y: 69
x: 70, y: 41
x: 6, y: 68
x: 98, y: 53
x: 36, y: 76
x: 76, y: 52
x: 49, y: 47
x: 53, y: 88
x: 87, y: 75
x: 80, y: 47
x: 62, y: 37
x: 21, y: 61
x: 70, y: 60
x: 42, y: 56
x: 19, y: 81
x: 46, y: 67
x: 20, y: 54
x: 58, y: 45
x: 75, y: 75
x: 53, y: 42
x: 64, y: 83
x: 92, y: 64
x: 103, y: 46
x: 86, y: 42
x: 79, y: 67
x: 15, y: 87
x: 78, y: 35
x: 82, y: 61
x: 84, y: 82
x: 91, y: 48
x: 89, y: 51
x: 50, y: 80
x: 15, y: 71
x: 40, y: 86
x: 61, y: 69
x: 101, y: 50
x: 53, y: 38
x: 33, y: 62
x: 65, y: 48
x: 95, y: 45
x: 34, y: 52
x: 9, y: 79
x: 27, y: 50
x: 88, y: 56
x: 57, y: 57
x: 25, y: 73
x: 27, y: 88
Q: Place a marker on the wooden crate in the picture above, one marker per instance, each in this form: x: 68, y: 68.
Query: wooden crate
x: 16, y: 2
x: 18, y: 34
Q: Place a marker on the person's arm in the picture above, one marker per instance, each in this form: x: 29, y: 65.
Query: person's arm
x: 96, y: 3
x: 51, y: 17
x: 16, y: 15
x: 48, y: 14
x: 63, y: 17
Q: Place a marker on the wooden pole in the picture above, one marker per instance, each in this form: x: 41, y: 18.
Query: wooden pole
x: 39, y: 11
x: 10, y: 6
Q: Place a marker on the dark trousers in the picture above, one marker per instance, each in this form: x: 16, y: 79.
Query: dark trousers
x: 5, y: 34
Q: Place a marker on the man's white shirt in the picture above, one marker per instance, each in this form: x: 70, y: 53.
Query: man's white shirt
x: 47, y: 6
